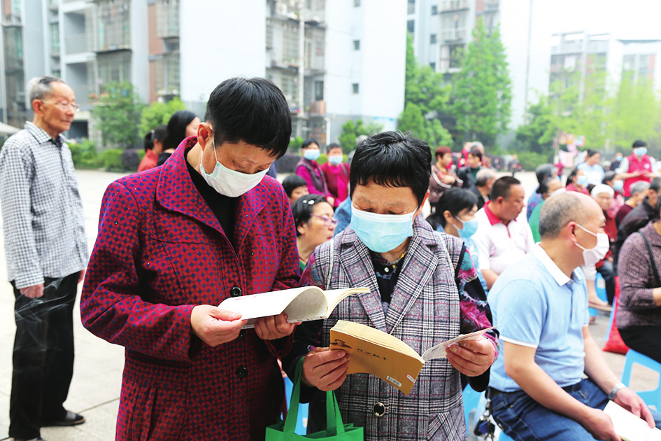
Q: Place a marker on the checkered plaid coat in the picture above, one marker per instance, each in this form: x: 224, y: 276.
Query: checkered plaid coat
x: 425, y: 311
x: 160, y: 251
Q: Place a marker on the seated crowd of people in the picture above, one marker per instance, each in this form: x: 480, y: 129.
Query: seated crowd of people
x: 474, y: 262
x: 537, y: 271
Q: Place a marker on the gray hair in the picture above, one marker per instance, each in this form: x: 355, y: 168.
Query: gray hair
x: 558, y: 211
x: 484, y: 175
x: 639, y: 186
x: 40, y: 87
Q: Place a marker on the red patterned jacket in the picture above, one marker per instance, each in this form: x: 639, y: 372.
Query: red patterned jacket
x: 159, y: 252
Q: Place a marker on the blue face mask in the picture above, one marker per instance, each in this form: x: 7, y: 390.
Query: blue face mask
x: 582, y: 180
x: 470, y: 227
x: 640, y: 151
x: 618, y: 186
x: 381, y: 232
x: 335, y: 160
x: 311, y: 155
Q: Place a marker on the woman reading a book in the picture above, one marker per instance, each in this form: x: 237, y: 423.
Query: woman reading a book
x: 424, y: 290
x: 177, y: 240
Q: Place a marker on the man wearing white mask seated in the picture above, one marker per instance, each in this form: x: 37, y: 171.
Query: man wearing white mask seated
x: 537, y: 389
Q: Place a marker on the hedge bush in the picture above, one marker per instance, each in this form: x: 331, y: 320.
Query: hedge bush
x: 84, y: 155
x: 112, y: 160
x: 530, y: 160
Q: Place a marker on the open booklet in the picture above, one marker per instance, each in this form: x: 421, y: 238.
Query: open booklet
x: 300, y: 304
x: 385, y: 356
x: 628, y: 426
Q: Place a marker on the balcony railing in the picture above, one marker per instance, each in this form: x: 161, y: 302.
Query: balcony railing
x: 78, y: 44
x: 318, y: 107
x: 167, y: 18
x: 456, y: 34
x: 453, y: 5
x: 491, y: 5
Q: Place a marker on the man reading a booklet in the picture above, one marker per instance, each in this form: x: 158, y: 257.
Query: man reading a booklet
x: 537, y: 387
x: 423, y: 290
x: 173, y: 243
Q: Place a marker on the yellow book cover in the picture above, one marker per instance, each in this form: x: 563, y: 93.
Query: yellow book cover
x: 385, y: 356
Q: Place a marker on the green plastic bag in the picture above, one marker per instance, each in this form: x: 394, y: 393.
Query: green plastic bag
x: 336, y: 430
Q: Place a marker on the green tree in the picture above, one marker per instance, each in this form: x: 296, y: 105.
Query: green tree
x: 482, y: 93
x: 352, y: 130
x: 582, y: 106
x: 412, y: 120
x: 158, y: 113
x: 636, y: 112
x: 425, y: 100
x: 118, y: 115
x: 538, y: 134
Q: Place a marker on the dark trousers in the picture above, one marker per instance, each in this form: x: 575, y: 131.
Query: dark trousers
x: 644, y: 339
x: 607, y: 272
x: 524, y: 419
x: 43, y: 356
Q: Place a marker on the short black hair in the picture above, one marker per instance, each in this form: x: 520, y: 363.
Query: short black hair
x: 176, y: 130
x: 655, y: 185
x: 334, y: 145
x: 589, y: 153
x: 252, y: 110
x: 573, y: 173
x: 157, y: 134
x: 308, y: 142
x: 475, y: 151
x: 302, y: 208
x: 639, y: 143
x: 608, y: 176
x: 544, y: 186
x: 503, y: 187
x: 392, y: 159
x: 454, y: 200
x: 544, y: 171
x: 292, y: 182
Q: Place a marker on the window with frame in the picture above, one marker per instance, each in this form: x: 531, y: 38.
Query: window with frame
x: 411, y: 7
x: 356, y: 45
x: 356, y: 88
x: 432, y: 39
x: 434, y: 10
x: 410, y: 26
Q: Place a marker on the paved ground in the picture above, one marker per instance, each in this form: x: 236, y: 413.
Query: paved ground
x: 98, y: 369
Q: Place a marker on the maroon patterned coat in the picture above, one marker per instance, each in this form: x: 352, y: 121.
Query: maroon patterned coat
x: 160, y: 251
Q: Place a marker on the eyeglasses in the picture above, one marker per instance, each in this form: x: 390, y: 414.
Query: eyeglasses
x: 65, y: 105
x: 328, y: 221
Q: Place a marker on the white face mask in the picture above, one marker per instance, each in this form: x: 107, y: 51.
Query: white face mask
x: 594, y: 255
x: 558, y: 191
x: 229, y: 182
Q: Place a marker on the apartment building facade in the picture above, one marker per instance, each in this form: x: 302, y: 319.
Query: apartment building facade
x: 334, y: 60
x: 442, y: 29
x: 582, y: 54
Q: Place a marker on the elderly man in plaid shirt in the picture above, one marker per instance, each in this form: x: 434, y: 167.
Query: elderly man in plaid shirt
x: 46, y: 250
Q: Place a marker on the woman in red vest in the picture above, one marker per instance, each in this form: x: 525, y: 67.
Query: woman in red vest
x: 636, y: 167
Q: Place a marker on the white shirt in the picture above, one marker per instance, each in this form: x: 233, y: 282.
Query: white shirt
x: 499, y: 245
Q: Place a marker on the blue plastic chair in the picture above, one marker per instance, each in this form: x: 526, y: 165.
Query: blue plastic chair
x: 600, y: 286
x: 471, y: 400
x: 302, y: 421
x: 651, y: 397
